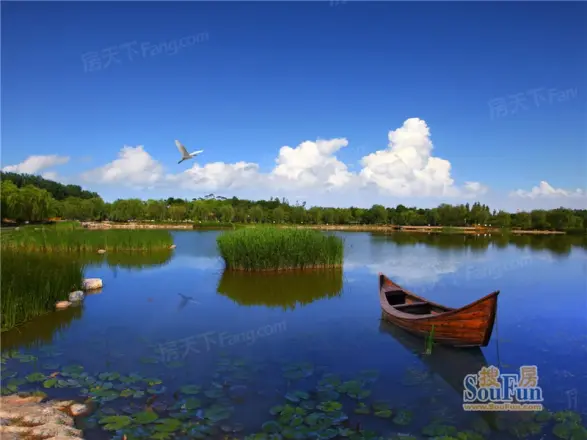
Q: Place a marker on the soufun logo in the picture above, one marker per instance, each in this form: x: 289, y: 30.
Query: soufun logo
x: 491, y: 390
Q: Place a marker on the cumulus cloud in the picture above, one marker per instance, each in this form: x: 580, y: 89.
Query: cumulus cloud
x: 545, y: 190
x: 134, y: 167
x: 34, y: 164
x: 407, y: 167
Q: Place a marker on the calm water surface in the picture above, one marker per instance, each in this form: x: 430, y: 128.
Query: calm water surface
x: 182, y: 321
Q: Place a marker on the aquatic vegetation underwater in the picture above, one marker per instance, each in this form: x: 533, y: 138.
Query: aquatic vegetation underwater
x: 32, y: 283
x: 274, y: 249
x: 75, y: 239
x: 280, y: 289
x: 308, y: 402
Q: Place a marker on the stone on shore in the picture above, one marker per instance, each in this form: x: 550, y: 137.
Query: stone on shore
x: 62, y: 305
x: 76, y: 296
x: 29, y: 417
x: 92, y: 283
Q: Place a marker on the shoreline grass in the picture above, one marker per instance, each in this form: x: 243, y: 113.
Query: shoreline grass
x: 32, y: 283
x: 82, y: 240
x: 277, y: 249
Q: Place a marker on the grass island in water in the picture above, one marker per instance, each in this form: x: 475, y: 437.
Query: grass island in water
x: 71, y: 240
x: 276, y: 249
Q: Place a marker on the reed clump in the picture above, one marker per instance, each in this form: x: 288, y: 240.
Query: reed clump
x: 74, y: 239
x: 275, y: 249
x: 33, y: 282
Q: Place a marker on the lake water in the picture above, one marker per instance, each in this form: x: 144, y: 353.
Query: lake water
x: 246, y: 343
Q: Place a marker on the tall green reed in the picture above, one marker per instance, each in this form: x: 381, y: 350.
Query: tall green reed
x: 273, y: 249
x: 33, y: 282
x: 68, y: 240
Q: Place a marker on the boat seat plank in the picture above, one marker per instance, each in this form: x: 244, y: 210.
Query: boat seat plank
x: 401, y: 306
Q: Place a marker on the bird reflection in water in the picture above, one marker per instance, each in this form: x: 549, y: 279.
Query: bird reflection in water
x: 185, y: 300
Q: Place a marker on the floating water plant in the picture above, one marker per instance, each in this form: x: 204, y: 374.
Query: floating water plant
x: 275, y: 249
x: 68, y: 240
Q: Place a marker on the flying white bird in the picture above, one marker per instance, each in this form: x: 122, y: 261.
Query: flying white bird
x: 184, y: 153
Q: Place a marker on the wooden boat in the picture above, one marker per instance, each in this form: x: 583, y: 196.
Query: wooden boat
x: 468, y: 326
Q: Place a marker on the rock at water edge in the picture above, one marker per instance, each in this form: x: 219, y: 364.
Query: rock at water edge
x: 62, y: 305
x: 92, y: 283
x: 76, y: 296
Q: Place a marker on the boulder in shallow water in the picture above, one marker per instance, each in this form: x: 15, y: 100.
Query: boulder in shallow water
x: 76, y: 296
x: 92, y: 283
x: 62, y: 305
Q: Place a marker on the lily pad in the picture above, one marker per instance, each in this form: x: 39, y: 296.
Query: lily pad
x: 72, y: 369
x: 403, y: 418
x: 108, y: 376
x: 192, y: 403
x: 145, y: 417
x: 114, y: 423
x: 296, y: 396
x: 190, y: 389
x: 330, y: 406
x: 126, y: 393
x: 362, y: 409
x: 167, y: 425
x: 35, y: 377
x: 157, y: 390
x: 293, y: 433
x: 271, y: 427
x: 298, y: 371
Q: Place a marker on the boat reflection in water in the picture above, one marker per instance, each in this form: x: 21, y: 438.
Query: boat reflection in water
x: 450, y: 363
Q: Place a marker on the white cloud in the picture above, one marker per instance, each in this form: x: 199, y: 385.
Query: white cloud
x: 34, y: 164
x: 134, y: 167
x: 405, y: 168
x: 545, y: 190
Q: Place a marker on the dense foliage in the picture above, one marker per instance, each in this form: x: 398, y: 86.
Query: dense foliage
x: 273, y: 249
x: 57, y: 190
x: 33, y: 203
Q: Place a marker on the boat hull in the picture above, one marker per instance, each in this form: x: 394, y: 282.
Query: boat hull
x: 468, y: 326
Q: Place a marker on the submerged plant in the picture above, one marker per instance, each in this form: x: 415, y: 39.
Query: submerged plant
x: 429, y: 341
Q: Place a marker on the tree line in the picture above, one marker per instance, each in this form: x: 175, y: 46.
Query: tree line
x: 33, y: 203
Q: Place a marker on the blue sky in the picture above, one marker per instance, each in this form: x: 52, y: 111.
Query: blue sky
x: 251, y: 78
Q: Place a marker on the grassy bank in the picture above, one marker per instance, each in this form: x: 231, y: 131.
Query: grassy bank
x: 332, y: 227
x: 74, y: 239
x: 274, y: 249
x: 32, y: 283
